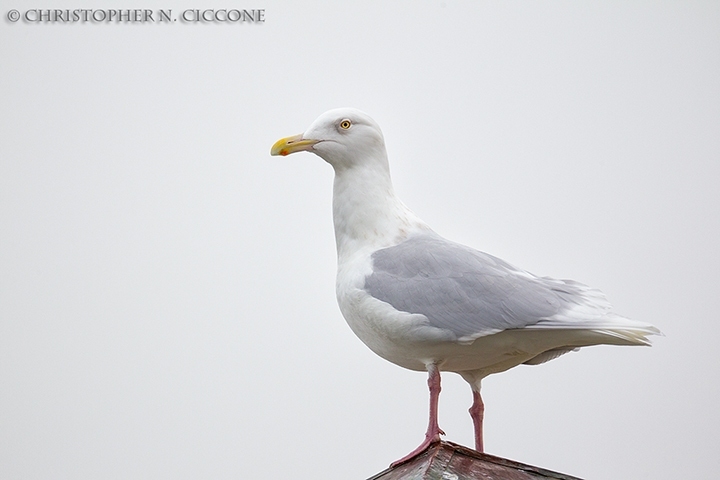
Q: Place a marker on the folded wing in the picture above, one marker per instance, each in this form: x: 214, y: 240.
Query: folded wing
x: 473, y: 294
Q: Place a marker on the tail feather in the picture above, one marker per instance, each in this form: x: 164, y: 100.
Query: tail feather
x: 587, y: 308
x: 632, y: 335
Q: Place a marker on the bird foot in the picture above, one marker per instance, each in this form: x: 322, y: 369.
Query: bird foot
x: 429, y: 440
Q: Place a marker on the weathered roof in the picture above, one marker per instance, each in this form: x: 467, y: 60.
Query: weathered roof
x: 449, y: 461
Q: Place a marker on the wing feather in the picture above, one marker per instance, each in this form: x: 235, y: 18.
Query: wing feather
x: 473, y: 294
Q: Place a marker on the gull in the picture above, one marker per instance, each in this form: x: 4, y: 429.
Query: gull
x: 429, y: 304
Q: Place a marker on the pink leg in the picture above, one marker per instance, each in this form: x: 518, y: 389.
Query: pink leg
x: 433, y: 431
x: 477, y: 413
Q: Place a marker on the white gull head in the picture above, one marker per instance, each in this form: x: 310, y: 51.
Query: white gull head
x: 366, y: 212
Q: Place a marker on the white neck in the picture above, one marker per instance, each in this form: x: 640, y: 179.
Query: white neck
x: 366, y: 213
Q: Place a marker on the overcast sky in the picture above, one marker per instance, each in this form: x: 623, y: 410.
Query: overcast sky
x: 167, y: 298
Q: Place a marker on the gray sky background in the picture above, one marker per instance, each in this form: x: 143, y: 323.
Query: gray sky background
x: 167, y: 305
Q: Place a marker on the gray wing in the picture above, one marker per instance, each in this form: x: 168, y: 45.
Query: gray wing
x: 466, y: 291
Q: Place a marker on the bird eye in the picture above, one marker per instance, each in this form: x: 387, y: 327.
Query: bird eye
x: 345, y: 124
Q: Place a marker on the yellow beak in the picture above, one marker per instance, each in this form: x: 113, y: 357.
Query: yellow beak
x: 288, y: 145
